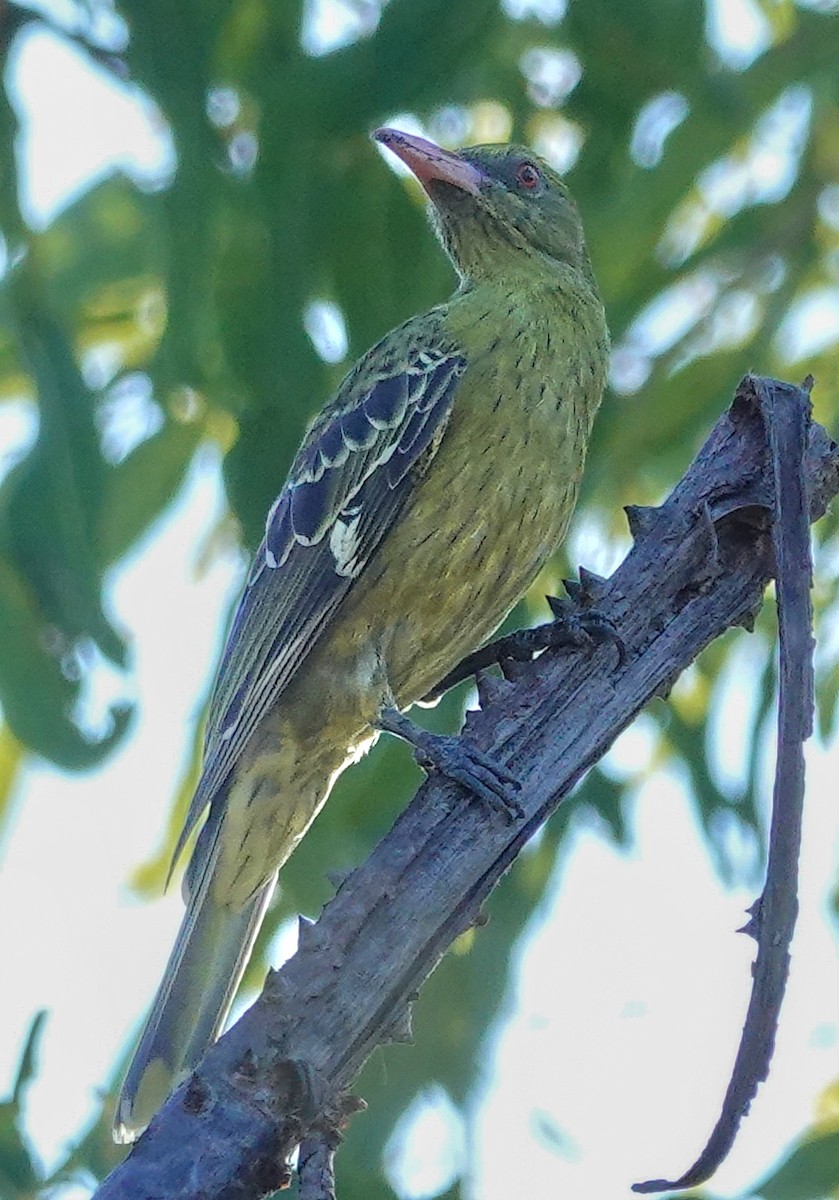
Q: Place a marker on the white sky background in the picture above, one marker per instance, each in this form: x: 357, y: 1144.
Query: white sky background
x: 633, y: 984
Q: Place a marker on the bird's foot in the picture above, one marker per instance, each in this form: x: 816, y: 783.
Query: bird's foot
x: 575, y: 626
x: 457, y: 759
x: 572, y: 626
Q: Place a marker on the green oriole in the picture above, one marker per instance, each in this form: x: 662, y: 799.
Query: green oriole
x: 422, y: 503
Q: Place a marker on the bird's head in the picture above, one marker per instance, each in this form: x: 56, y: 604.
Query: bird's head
x: 499, y: 210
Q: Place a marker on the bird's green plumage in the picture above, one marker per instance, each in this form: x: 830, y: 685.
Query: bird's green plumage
x: 422, y: 503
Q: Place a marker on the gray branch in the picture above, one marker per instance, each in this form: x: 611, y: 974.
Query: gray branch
x: 699, y: 564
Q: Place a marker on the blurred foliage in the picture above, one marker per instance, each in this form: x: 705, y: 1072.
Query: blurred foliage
x: 19, y: 1173
x: 810, y: 1173
x: 709, y: 189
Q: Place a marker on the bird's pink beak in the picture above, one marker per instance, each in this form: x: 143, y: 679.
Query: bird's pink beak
x: 431, y: 163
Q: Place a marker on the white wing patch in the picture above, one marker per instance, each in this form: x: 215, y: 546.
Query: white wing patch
x: 345, y: 544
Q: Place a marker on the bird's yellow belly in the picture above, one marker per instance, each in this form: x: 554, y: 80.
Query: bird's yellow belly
x: 446, y: 594
x: 479, y: 526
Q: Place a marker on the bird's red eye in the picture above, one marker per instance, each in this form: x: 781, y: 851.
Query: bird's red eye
x: 527, y: 176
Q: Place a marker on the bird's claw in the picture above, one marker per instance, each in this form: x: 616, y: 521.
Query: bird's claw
x: 572, y: 626
x: 575, y: 626
x: 488, y: 779
x: 456, y: 758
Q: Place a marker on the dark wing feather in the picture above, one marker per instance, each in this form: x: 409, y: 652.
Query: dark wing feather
x: 346, y: 486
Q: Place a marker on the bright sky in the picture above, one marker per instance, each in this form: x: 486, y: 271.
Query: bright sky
x: 618, y: 1040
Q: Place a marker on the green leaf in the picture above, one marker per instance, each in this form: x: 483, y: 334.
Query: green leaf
x: 138, y: 489
x: 810, y: 1173
x: 12, y: 756
x: 28, y: 1059
x: 37, y: 693
x: 20, y: 1174
x: 50, y: 504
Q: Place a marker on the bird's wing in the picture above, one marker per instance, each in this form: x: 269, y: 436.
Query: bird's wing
x: 345, y: 488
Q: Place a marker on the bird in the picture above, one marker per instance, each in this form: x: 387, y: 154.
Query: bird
x: 421, y: 505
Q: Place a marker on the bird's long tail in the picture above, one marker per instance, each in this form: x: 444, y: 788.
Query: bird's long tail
x: 195, y: 995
